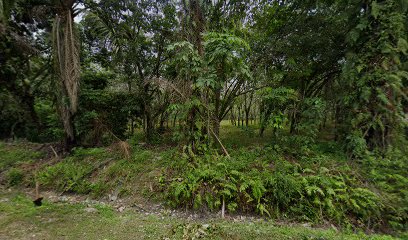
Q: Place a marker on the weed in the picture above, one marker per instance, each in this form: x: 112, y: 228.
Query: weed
x: 67, y: 176
x: 14, y: 176
x: 11, y: 155
x: 303, y: 191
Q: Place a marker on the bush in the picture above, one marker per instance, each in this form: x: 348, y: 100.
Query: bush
x: 14, y: 176
x: 12, y: 155
x: 277, y: 188
x: 389, y: 175
x: 73, y: 174
x: 97, y: 171
x: 49, y: 119
x: 103, y: 112
x: 67, y: 176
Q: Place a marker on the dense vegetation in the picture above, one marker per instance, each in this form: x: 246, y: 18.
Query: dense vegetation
x: 294, y: 110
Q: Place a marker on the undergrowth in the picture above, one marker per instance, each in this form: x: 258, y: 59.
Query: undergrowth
x: 102, y: 171
x: 316, y: 183
x: 11, y: 155
x: 316, y: 187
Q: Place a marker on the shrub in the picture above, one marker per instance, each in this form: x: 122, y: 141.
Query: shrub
x: 389, y: 175
x: 49, y: 119
x: 14, y: 176
x: 276, y: 188
x: 67, y: 176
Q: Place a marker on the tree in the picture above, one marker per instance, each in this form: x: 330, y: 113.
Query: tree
x: 136, y: 34
x: 201, y: 22
x: 374, y: 76
x: 303, y: 42
x: 67, y: 67
x: 17, y: 48
x: 226, y: 71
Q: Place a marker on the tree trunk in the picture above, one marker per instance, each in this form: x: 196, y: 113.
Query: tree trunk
x: 233, y: 120
x: 132, y: 127
x: 293, y: 123
x: 67, y: 67
x: 162, y: 121
x: 264, y: 119
x: 242, y: 118
x: 246, y: 118
x: 216, y: 126
x: 69, y: 127
x: 216, y: 121
x: 174, y: 119
x: 239, y: 116
x: 149, y: 126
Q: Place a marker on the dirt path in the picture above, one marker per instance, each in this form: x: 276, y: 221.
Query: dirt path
x: 77, y: 217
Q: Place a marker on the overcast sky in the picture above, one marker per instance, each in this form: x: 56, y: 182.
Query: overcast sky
x: 78, y: 18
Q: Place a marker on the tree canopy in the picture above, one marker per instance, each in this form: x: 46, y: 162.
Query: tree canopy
x: 287, y: 63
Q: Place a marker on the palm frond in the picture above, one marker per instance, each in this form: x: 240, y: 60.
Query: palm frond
x: 66, y: 57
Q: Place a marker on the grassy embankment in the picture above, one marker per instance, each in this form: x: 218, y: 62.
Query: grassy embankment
x: 152, y: 173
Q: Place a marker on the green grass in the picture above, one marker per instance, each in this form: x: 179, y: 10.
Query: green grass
x: 234, y: 137
x: 102, y: 171
x: 13, y: 154
x: 99, y: 171
x: 19, y: 219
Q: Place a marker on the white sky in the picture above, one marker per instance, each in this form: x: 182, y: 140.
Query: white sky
x: 78, y: 18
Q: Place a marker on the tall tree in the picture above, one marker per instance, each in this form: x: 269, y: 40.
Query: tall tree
x: 136, y: 33
x: 304, y: 43
x: 224, y: 63
x: 17, y: 48
x: 374, y: 75
x: 228, y: 71
x: 67, y: 66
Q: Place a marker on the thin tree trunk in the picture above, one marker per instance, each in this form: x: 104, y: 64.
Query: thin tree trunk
x: 149, y: 126
x: 246, y: 118
x: 239, y: 116
x: 162, y: 120
x: 242, y: 118
x: 216, y: 123
x: 132, y: 127
x: 174, y: 119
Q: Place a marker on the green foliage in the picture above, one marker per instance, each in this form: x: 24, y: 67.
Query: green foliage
x: 11, y: 122
x: 225, y: 58
x: 52, y: 127
x: 275, y: 102
x: 277, y: 188
x: 130, y: 224
x: 73, y: 174
x: 195, y: 231
x: 186, y: 62
x: 67, y: 176
x: 125, y: 170
x: 221, y: 61
x: 311, y: 117
x: 104, y: 112
x: 313, y: 71
x: 12, y: 155
x: 14, y: 176
x: 374, y: 78
x: 388, y: 174
x: 99, y: 171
